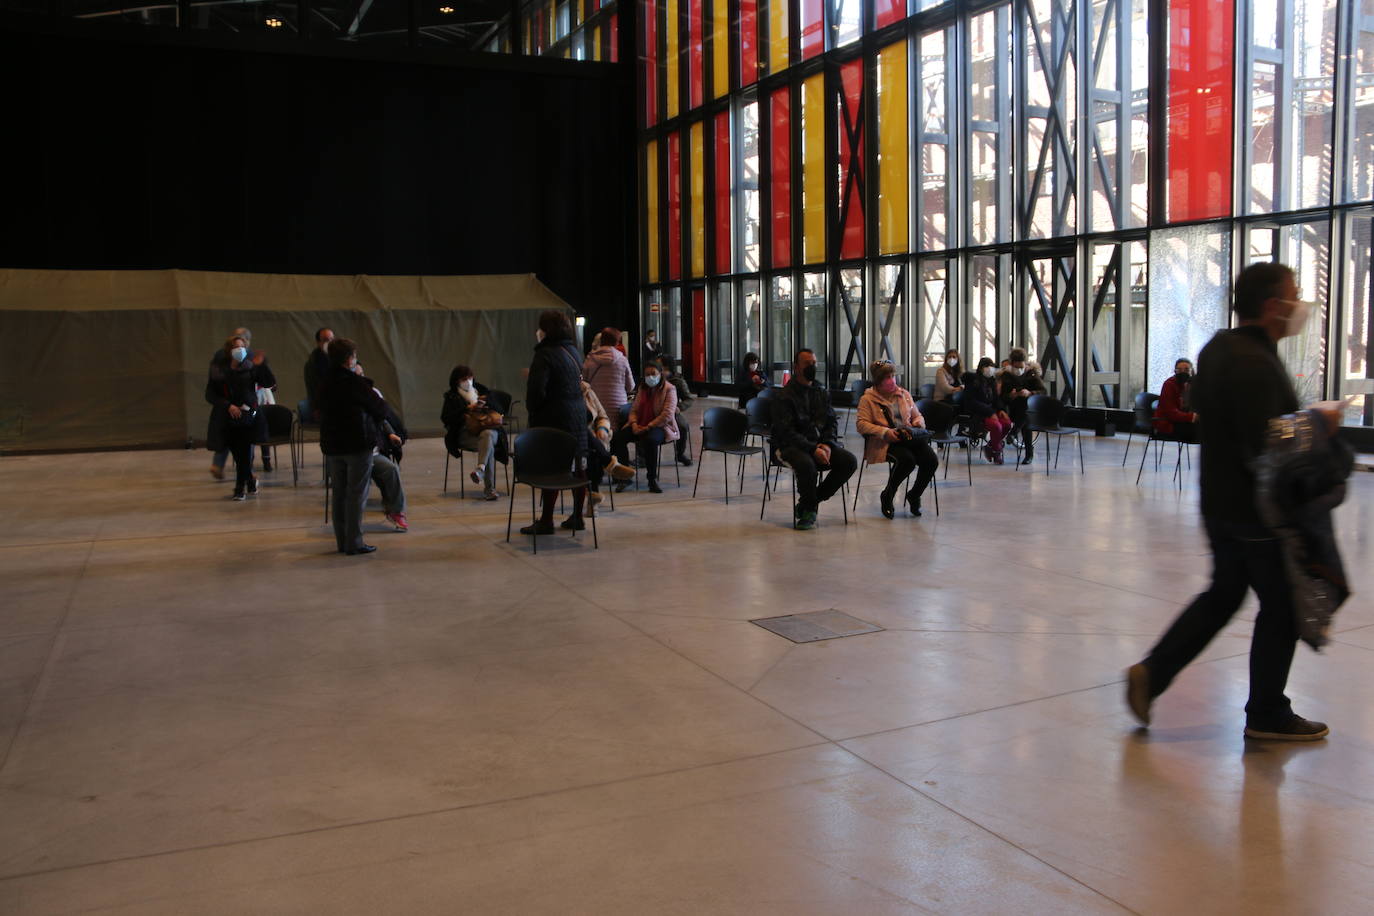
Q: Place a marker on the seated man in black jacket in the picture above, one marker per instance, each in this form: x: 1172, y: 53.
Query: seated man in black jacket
x: 804, y: 436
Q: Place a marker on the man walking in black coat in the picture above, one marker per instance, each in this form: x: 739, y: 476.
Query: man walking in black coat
x: 804, y: 434
x: 1241, y: 383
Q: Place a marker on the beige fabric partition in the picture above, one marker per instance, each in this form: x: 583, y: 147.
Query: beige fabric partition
x: 111, y: 359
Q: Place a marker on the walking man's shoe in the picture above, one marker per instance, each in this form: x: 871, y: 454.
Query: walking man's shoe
x: 1293, y: 728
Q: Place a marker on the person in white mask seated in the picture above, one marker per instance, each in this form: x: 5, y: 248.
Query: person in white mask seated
x: 949, y: 378
x: 653, y: 421
x: 983, y: 403
x: 1019, y: 382
x: 466, y: 393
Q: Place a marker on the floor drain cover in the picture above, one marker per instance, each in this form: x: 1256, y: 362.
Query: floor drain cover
x: 816, y: 625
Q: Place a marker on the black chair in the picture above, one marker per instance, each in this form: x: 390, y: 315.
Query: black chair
x: 975, y: 430
x: 1145, y: 404
x: 857, y: 387
x: 544, y: 459
x: 928, y: 391
x: 940, y: 419
x: 658, y: 449
x: 281, y: 430
x: 1143, y: 414
x: 500, y: 402
x: 726, y: 431
x: 906, y: 484
x: 777, y: 465
x: 305, y: 419
x: 1043, y: 416
x: 767, y: 391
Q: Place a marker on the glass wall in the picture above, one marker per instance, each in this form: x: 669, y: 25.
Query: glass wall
x: 1069, y: 177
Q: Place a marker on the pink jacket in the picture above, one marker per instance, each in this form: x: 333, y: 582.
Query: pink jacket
x: 665, y: 403
x: 608, y: 372
x: 872, y: 422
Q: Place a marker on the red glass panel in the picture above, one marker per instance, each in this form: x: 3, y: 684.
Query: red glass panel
x: 851, y: 158
x: 696, y: 58
x: 887, y: 12
x: 723, y: 214
x: 1201, y: 108
x: 748, y: 42
x: 650, y: 62
x: 615, y: 37
x: 674, y: 206
x: 813, y: 27
x: 780, y: 176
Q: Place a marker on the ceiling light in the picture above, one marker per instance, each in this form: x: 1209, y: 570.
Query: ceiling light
x: 275, y: 23
x: 445, y: 9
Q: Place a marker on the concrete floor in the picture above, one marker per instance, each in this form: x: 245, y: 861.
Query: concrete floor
x: 204, y: 709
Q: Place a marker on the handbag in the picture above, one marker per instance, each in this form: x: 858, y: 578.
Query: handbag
x: 478, y: 419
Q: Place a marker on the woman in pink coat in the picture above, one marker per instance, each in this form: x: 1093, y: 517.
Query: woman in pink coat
x: 894, y: 429
x: 653, y: 421
x: 608, y: 372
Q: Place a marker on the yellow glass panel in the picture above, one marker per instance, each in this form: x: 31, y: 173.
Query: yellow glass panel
x: 672, y: 59
x: 813, y: 169
x: 596, y: 44
x: 698, y: 143
x: 651, y: 207
x: 720, y: 46
x: 777, y: 36
x: 893, y: 190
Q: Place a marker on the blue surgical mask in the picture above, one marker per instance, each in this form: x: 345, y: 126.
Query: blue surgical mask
x: 239, y: 354
x: 651, y: 380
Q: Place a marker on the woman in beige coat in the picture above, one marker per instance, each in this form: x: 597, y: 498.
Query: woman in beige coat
x: 894, y: 430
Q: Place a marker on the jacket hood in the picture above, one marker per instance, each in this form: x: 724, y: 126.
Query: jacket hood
x: 605, y: 355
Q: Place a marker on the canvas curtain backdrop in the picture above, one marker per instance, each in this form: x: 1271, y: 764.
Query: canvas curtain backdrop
x: 116, y: 359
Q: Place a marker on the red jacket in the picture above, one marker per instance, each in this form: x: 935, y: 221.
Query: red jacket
x: 1170, y: 410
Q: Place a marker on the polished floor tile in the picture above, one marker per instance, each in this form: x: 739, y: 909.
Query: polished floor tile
x: 204, y: 708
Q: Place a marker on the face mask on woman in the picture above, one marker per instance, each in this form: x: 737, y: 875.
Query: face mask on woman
x: 465, y: 384
x: 989, y: 372
x: 952, y: 362
x: 651, y: 381
x: 239, y: 354
x: 888, y: 385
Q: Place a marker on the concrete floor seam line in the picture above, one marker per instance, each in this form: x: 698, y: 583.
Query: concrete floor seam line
x: 993, y: 833
x: 1002, y: 559
x: 413, y: 815
x: 762, y: 677
x: 45, y: 672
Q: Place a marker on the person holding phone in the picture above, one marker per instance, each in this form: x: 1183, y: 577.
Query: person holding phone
x: 894, y: 430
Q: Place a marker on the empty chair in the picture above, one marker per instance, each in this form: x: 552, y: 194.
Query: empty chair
x: 1043, y: 418
x: 928, y: 391
x: 1143, y: 420
x: 281, y: 430
x: 726, y: 431
x: 543, y: 459
x: 940, y: 420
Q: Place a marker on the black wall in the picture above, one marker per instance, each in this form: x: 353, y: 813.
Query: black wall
x: 134, y: 152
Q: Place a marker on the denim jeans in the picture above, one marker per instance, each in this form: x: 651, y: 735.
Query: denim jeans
x: 387, y: 476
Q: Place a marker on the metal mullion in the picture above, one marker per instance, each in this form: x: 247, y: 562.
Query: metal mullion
x: 1081, y: 189
x: 832, y: 95
x: 1283, y: 111
x: 1157, y: 186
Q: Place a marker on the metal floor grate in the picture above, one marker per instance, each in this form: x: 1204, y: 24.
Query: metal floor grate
x: 816, y: 625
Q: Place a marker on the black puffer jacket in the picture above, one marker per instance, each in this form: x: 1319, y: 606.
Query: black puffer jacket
x: 980, y: 395
x: 351, y: 413
x: 803, y: 417
x: 554, y: 391
x: 227, y: 385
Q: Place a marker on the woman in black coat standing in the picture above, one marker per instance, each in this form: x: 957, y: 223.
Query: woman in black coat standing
x: 554, y: 397
x: 351, y: 416
x: 236, y: 422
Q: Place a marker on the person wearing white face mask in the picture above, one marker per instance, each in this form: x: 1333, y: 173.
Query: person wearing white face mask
x: 1241, y: 384
x: 984, y: 405
x: 236, y: 423
x: 653, y: 421
x: 466, y: 393
x: 949, y: 378
x: 1020, y: 381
